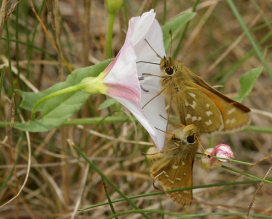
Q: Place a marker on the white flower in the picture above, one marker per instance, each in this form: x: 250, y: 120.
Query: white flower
x: 120, y: 79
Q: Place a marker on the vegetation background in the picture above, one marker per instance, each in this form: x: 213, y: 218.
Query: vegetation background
x: 43, y: 41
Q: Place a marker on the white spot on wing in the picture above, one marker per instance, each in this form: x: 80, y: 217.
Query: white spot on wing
x: 175, y: 166
x: 194, y: 118
x: 231, y: 111
x: 209, y: 113
x: 193, y: 105
x: 209, y: 122
x: 192, y: 95
x: 232, y: 121
x: 188, y: 116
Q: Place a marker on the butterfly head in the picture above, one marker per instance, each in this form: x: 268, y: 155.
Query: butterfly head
x: 184, y: 136
x: 168, y: 66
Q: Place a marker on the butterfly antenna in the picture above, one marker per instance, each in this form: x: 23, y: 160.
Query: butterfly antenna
x: 153, y: 49
x: 171, y: 40
x: 166, y: 132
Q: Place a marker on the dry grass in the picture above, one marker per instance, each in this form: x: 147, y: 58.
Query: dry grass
x: 47, y: 39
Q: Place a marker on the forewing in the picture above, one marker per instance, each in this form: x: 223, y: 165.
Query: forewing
x: 203, y: 84
x: 235, y: 115
x: 174, y: 172
x: 195, y: 107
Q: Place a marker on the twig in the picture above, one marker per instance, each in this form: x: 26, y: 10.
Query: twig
x: 260, y: 185
x: 82, y: 186
x: 27, y: 170
x: 261, y: 112
x: 3, y: 14
x: 112, y: 138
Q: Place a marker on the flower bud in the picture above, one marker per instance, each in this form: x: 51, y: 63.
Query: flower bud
x: 220, y: 151
x: 114, y: 5
x: 223, y: 151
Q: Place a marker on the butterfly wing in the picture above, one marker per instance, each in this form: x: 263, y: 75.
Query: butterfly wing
x: 195, y: 107
x: 198, y: 80
x: 206, y: 108
x: 234, y: 114
x: 174, y: 171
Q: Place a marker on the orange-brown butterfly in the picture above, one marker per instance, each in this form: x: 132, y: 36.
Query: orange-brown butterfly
x: 173, y: 167
x: 196, y: 102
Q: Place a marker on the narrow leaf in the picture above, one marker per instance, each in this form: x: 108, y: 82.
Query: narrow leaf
x: 254, y: 43
x: 247, y: 82
x: 175, y: 25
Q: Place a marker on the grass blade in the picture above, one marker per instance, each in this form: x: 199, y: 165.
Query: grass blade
x: 255, y: 45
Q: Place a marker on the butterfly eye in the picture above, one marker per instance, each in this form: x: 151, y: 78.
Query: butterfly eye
x: 191, y: 139
x: 169, y: 70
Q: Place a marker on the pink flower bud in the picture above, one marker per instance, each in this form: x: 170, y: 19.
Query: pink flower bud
x: 220, y: 151
x: 223, y: 151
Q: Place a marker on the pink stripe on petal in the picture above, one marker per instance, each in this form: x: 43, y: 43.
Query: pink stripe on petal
x: 110, y: 66
x: 124, y: 91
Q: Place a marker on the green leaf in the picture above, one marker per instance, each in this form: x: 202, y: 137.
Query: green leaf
x: 57, y: 110
x: 247, y: 82
x: 107, y: 103
x: 175, y: 25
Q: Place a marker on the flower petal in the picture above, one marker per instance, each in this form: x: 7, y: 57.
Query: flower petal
x: 223, y: 151
x: 139, y: 26
x: 122, y: 78
x: 152, y: 103
x: 138, y: 113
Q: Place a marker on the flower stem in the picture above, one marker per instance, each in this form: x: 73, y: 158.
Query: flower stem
x: 110, y: 35
x: 55, y: 94
x: 227, y: 159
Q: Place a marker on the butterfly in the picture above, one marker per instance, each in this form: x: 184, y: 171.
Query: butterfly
x: 196, y: 102
x: 173, y: 167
